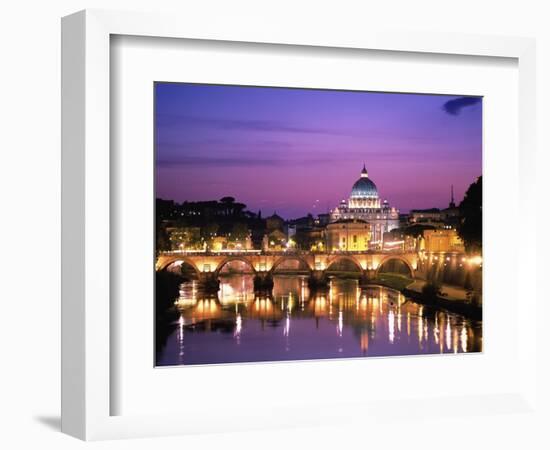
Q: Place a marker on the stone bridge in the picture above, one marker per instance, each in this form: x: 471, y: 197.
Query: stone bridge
x: 208, y: 265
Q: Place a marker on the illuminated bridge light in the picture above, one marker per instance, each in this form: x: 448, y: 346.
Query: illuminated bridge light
x: 476, y: 260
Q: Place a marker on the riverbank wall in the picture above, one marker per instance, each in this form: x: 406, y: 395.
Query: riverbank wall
x: 463, y: 307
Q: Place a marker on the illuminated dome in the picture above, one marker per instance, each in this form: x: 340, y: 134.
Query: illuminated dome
x: 364, y: 187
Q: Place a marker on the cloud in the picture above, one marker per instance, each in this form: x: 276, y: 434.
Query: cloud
x: 454, y: 107
x: 178, y: 143
x: 236, y: 161
x: 166, y: 120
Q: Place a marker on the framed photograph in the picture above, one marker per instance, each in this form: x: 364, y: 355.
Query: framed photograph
x: 255, y: 210
x: 317, y: 277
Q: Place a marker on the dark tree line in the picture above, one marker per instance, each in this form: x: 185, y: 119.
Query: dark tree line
x: 225, y: 217
x: 470, y: 226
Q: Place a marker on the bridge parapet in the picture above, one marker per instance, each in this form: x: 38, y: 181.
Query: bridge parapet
x: 213, y: 262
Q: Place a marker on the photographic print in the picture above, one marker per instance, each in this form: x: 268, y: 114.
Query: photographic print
x: 299, y: 224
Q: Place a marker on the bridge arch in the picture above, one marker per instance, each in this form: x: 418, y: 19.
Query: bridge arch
x: 285, y: 258
x: 242, y: 259
x: 339, y: 258
x: 168, y: 262
x: 396, y: 258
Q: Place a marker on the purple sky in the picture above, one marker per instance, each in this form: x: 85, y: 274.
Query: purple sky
x: 296, y: 151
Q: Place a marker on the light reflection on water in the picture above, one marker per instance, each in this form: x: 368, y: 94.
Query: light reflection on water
x: 238, y: 325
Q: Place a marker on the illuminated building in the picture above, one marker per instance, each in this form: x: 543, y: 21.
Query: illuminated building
x: 438, y: 218
x: 275, y: 240
x: 398, y: 241
x: 441, y: 241
x: 274, y: 222
x: 364, y: 204
x: 182, y: 238
x: 224, y: 243
x: 219, y: 243
x: 348, y: 235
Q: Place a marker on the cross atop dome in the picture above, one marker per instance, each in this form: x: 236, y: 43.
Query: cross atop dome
x: 364, y: 173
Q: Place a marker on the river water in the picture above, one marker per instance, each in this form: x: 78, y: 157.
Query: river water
x: 291, y: 323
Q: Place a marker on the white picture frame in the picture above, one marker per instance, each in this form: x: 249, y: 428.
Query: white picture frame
x: 86, y: 215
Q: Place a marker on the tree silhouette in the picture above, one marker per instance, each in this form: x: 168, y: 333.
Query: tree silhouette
x: 470, y: 227
x: 227, y: 203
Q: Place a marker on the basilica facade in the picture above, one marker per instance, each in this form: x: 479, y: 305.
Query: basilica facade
x: 364, y: 204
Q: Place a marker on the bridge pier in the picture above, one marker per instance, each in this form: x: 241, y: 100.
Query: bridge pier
x: 367, y: 276
x: 370, y: 274
x: 364, y: 281
x: 208, y: 281
x: 318, y: 280
x: 263, y: 281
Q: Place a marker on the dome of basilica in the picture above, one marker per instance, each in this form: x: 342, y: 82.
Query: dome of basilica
x: 364, y: 187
